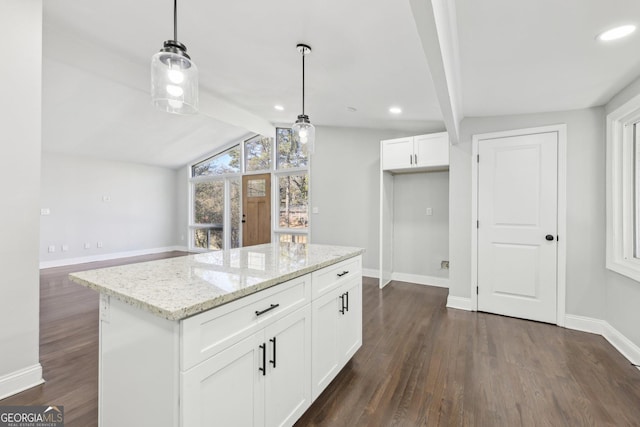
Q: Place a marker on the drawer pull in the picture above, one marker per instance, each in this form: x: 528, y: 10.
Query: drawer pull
x: 343, y: 273
x: 273, y: 362
x: 260, y: 313
x: 347, y: 295
x: 343, y: 308
x: 263, y: 347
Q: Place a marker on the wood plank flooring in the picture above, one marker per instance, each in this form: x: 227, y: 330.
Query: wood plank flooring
x: 69, y: 344
x: 421, y: 364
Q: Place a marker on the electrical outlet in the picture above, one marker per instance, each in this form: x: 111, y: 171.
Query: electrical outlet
x: 99, y: 244
x: 52, y: 248
x: 444, y: 265
x: 45, y: 211
x: 315, y: 210
x: 65, y: 248
x: 429, y: 211
x: 87, y: 245
x: 106, y: 198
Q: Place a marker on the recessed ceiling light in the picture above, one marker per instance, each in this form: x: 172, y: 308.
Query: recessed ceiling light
x: 395, y: 110
x: 279, y: 107
x: 616, y: 33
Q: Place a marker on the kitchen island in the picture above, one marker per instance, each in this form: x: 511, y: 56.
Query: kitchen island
x: 248, y: 336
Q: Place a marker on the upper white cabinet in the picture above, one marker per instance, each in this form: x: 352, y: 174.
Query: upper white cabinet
x: 416, y: 153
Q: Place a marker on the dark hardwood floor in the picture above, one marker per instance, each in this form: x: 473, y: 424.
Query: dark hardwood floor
x: 69, y: 344
x: 421, y: 364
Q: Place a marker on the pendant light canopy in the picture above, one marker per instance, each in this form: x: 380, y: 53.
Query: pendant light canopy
x: 303, y: 131
x: 174, y: 77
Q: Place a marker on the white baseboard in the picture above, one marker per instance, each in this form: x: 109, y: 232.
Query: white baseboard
x: 106, y: 257
x: 584, y: 324
x: 21, y: 380
x: 370, y: 272
x: 600, y: 327
x: 622, y: 344
x: 459, y: 303
x: 441, y: 282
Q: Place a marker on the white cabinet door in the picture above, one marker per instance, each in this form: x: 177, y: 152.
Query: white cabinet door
x: 336, y: 331
x: 397, y: 153
x: 288, y: 379
x: 324, y: 340
x: 350, y: 322
x: 431, y: 149
x: 226, y: 389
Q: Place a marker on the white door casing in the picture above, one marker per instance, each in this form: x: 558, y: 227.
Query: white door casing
x: 519, y: 202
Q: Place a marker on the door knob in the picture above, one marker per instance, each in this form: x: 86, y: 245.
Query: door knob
x: 549, y: 237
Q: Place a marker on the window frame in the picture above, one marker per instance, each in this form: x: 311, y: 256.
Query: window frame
x: 275, y: 172
x: 276, y: 198
x: 620, y: 187
x: 226, y: 178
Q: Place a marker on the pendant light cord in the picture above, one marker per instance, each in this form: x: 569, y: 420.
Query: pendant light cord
x: 175, y: 20
x: 303, y: 55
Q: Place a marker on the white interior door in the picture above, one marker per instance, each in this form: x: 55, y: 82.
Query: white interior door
x: 518, y: 223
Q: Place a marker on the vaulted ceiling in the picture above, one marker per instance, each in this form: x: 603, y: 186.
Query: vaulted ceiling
x: 493, y: 57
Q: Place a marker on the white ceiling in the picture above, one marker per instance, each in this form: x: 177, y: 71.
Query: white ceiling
x: 528, y: 56
x: 515, y: 57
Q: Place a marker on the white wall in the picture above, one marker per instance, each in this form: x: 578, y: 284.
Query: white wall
x: 140, y: 215
x: 622, y: 293
x: 345, y: 186
x: 421, y: 242
x: 586, y: 291
x: 20, y: 121
x: 182, y: 203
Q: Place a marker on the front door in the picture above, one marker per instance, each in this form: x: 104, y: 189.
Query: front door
x: 517, y: 228
x: 256, y: 205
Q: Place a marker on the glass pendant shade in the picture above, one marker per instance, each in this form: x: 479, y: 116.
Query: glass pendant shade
x: 304, y: 132
x: 174, y: 80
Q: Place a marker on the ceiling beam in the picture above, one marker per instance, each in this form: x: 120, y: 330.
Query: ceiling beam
x: 230, y: 113
x: 130, y: 73
x: 437, y: 28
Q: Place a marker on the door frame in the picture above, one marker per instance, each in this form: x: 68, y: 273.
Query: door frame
x: 561, y: 290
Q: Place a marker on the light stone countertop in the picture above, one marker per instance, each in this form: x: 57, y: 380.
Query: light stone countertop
x: 176, y: 288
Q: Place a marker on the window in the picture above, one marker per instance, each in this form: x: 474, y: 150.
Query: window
x: 226, y: 162
x: 623, y: 189
x: 293, y: 238
x: 290, y: 153
x: 215, y: 207
x: 292, y: 179
x: 209, y: 214
x: 293, y: 203
x: 216, y: 191
x: 257, y: 153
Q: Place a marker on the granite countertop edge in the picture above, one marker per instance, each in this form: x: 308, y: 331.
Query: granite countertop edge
x: 209, y: 304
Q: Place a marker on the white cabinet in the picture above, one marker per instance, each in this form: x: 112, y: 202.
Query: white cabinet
x: 260, y: 381
x: 417, y: 153
x: 336, y: 331
x: 250, y: 362
x: 287, y: 379
x: 227, y: 388
x: 397, y: 153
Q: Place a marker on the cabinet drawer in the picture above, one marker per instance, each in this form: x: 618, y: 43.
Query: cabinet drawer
x: 208, y: 333
x: 331, y: 277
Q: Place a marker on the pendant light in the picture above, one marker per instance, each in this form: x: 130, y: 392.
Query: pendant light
x: 302, y: 130
x: 174, y: 77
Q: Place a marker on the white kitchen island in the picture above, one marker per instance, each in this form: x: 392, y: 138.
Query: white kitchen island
x: 245, y: 337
